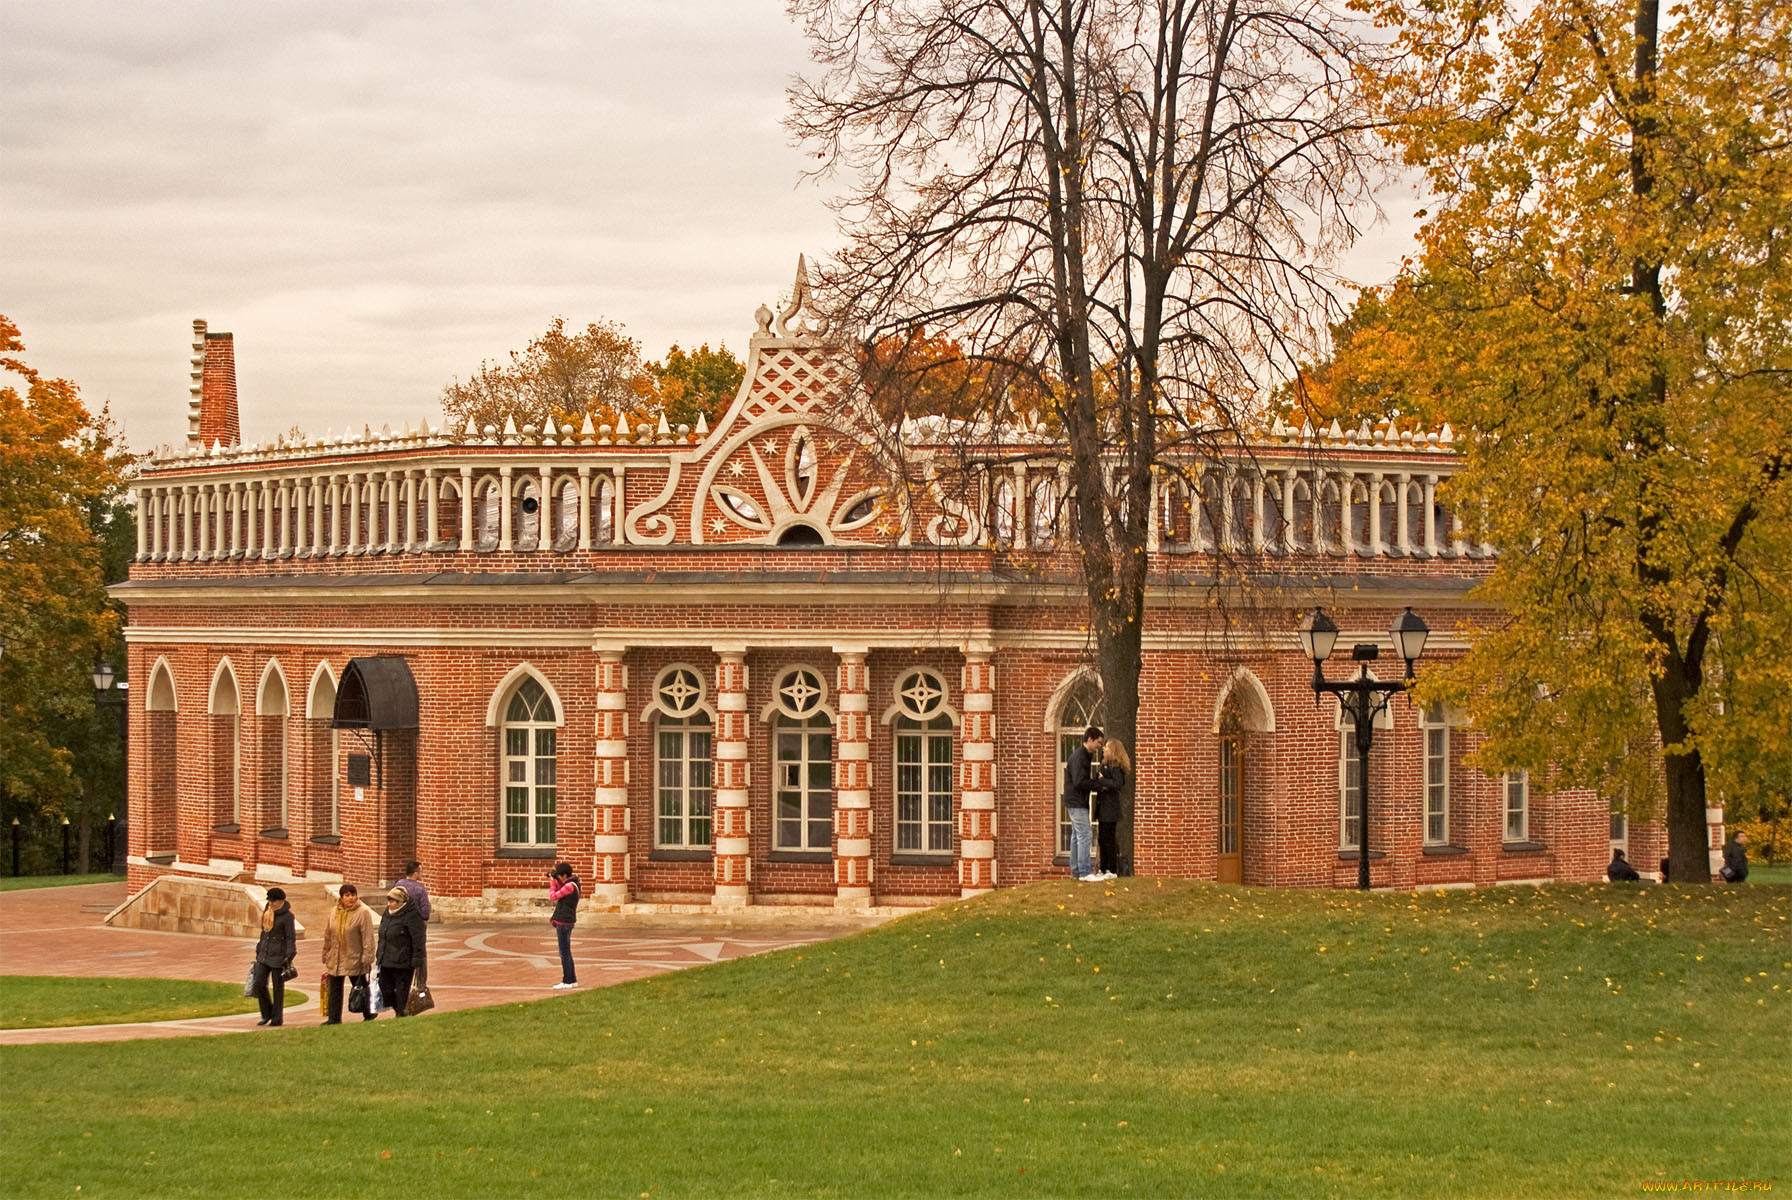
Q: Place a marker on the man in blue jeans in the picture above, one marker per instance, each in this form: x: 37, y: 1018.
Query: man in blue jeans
x: 1079, y: 782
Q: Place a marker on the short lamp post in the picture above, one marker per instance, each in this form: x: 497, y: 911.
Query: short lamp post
x: 1363, y: 698
x: 106, y: 695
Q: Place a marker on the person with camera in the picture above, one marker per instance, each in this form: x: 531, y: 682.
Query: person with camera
x: 563, y: 890
x: 275, y: 951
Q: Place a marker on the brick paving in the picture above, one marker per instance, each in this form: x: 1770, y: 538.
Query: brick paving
x: 58, y: 931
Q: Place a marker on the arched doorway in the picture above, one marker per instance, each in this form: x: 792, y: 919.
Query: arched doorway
x: 1229, y: 865
x: 1242, y: 720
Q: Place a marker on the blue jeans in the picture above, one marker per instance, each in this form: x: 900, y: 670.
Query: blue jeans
x: 1079, y: 841
x: 564, y: 933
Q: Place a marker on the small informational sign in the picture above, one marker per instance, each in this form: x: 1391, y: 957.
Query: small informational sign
x: 360, y: 770
x: 360, y: 795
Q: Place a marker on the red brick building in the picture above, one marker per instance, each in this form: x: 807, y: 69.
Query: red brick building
x: 798, y: 657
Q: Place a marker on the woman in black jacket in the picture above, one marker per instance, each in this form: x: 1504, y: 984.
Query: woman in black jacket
x: 401, y: 951
x: 1110, y: 781
x: 275, y: 951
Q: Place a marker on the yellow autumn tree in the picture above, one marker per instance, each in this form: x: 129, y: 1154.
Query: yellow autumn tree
x: 563, y: 375
x: 1604, y: 304
x: 59, y: 476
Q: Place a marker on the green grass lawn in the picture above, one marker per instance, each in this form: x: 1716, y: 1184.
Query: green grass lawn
x: 48, y: 1001
x: 1141, y: 1039
x: 1758, y: 873
x: 19, y: 883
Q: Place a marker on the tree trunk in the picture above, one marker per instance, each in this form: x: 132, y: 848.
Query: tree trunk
x: 1689, y: 839
x: 1119, y: 652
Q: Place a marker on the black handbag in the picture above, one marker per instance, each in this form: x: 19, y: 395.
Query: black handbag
x: 289, y: 974
x: 357, y: 999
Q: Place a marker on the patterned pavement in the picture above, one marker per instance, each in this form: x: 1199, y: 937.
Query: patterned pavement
x: 57, y: 931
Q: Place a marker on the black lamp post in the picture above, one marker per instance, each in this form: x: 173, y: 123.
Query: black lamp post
x: 1363, y: 698
x: 65, y: 845
x: 105, y: 695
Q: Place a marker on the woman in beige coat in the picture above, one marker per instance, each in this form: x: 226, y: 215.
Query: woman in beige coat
x: 349, y: 943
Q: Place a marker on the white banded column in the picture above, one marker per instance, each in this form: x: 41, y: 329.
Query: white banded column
x: 504, y: 540
x: 609, y: 868
x: 584, y: 508
x: 544, y: 540
x: 466, y: 509
x: 977, y: 777
x: 733, y: 846
x: 351, y: 489
x: 432, y: 530
x: 852, y: 782
x: 142, y: 514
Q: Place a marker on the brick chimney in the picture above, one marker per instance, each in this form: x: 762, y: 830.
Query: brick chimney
x: 211, y: 412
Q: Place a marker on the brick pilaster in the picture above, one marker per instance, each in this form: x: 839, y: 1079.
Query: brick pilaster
x: 852, y: 783
x: 977, y: 778
x: 733, y: 849
x: 609, y: 870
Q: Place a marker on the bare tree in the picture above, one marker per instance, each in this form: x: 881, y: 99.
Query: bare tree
x: 1126, y: 203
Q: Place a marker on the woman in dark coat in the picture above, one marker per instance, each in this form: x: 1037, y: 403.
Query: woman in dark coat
x: 275, y: 951
x: 1110, y: 781
x: 401, y: 949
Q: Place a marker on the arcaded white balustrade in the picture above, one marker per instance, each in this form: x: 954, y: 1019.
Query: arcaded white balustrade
x: 1366, y: 492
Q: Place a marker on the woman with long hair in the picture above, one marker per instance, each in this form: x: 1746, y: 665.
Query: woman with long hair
x: 1110, y: 781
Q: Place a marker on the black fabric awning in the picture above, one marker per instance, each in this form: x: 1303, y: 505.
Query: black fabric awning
x: 376, y: 693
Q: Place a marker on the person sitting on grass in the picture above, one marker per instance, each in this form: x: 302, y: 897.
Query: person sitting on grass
x: 1619, y: 871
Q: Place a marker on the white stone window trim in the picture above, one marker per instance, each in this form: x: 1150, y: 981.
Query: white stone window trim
x: 658, y: 706
x: 780, y: 706
x: 900, y: 706
x: 161, y: 685
x: 264, y: 707
x: 1518, y: 782
x: 684, y: 724
x: 1260, y: 712
x: 1055, y: 724
x: 925, y: 796
x: 1434, y: 731
x: 500, y: 698
x: 316, y: 709
x: 1349, y: 780
x: 529, y: 758
x: 218, y: 706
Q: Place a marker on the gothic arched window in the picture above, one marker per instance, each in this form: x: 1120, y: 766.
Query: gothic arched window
x: 923, y: 768
x: 529, y: 764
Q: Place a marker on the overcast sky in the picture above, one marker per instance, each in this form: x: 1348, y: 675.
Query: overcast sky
x: 375, y: 197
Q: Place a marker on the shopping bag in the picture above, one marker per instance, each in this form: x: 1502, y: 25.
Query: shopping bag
x: 420, y: 1001
x: 323, y: 994
x: 249, y: 983
x: 377, y: 997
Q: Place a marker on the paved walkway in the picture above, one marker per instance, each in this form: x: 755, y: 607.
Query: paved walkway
x: 57, y: 931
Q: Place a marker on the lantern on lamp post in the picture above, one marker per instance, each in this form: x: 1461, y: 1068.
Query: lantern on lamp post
x: 1363, y: 698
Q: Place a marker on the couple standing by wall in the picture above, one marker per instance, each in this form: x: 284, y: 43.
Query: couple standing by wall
x: 1094, y: 777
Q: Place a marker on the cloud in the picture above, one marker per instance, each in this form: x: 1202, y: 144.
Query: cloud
x: 374, y: 198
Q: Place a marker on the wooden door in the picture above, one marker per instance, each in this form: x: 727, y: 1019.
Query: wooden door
x: 1231, y: 823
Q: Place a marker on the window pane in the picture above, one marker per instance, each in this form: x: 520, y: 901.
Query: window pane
x: 545, y: 772
x: 516, y: 829
x: 519, y: 771
x: 544, y: 741
x: 544, y: 831
x: 516, y: 742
